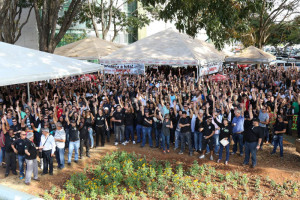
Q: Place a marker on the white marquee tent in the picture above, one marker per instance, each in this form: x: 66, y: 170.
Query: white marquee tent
x: 22, y: 65
x: 167, y: 47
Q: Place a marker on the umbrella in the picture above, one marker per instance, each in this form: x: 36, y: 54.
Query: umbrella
x: 218, y: 78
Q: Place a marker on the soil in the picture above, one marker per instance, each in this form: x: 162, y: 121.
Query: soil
x: 276, y: 168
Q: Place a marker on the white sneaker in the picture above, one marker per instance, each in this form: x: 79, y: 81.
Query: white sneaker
x: 116, y: 143
x: 226, y: 162
x: 133, y: 142
x: 218, y: 161
x: 124, y: 143
x: 202, y: 156
x: 211, y: 158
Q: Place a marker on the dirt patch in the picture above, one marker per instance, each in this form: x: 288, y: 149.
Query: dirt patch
x: 274, y: 167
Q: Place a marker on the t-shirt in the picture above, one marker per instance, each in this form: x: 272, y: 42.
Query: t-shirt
x: 8, y: 142
x: 119, y: 116
x: 145, y: 123
x: 139, y: 117
x: 129, y: 119
x: 295, y: 105
x: 165, y: 129
x: 100, y: 120
x: 253, y: 134
x: 263, y: 117
x: 31, y: 148
x: 83, y: 131
x: 208, y: 129
x: 184, y: 121
x: 279, y: 126
x: 16, y: 128
x: 73, y: 134
x: 20, y: 146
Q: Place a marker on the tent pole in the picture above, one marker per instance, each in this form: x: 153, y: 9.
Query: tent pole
x: 197, y: 73
x: 28, y: 91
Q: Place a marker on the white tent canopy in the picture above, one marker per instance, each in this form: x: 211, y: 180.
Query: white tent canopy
x: 88, y: 49
x: 22, y: 65
x: 166, y: 48
x: 252, y: 55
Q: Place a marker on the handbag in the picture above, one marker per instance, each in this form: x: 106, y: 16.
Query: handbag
x: 40, y: 152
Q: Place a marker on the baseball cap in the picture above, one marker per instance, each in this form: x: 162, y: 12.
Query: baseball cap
x: 29, y: 135
x: 255, y: 120
x: 183, y: 112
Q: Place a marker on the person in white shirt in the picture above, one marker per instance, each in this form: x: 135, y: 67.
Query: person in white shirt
x: 60, y: 138
x: 47, y: 144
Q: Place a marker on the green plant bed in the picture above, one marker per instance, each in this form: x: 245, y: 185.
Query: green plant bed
x: 122, y: 175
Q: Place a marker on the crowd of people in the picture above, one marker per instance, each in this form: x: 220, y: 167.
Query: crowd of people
x: 164, y: 107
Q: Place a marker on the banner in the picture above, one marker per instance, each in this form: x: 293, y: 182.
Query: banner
x: 210, y: 70
x: 294, y: 126
x: 138, y: 69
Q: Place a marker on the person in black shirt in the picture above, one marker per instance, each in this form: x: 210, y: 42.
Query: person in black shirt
x: 100, y: 123
x: 185, y: 132
x: 147, y: 127
x: 30, y: 158
x: 253, y: 138
x: 107, y: 117
x: 279, y: 129
x: 119, y: 118
x: 74, y: 137
x: 225, y: 133
x: 157, y: 127
x: 139, y: 122
x: 19, y: 148
x: 208, y: 130
x: 129, y: 120
x: 16, y: 127
x: 10, y: 156
x: 84, y: 136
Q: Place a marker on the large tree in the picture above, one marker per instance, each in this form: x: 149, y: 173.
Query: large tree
x: 248, y: 21
x: 110, y: 16
x: 264, y: 18
x: 47, y: 17
x: 287, y: 34
x: 11, y: 22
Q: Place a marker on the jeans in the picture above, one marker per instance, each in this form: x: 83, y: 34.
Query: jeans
x: 84, y: 143
x: 2, y: 154
x: 60, y: 157
x: 129, y: 132
x: 157, y: 137
x: 266, y: 136
x: 278, y: 140
x: 10, y: 159
x: 91, y: 137
x: 47, y: 161
x: 238, y: 139
x: 147, y: 132
x: 21, y: 159
x: 164, y: 140
x: 73, y: 145
x: 67, y: 138
x: 216, y: 142
x: 198, y: 140
x: 139, y: 132
x: 119, y: 130
x: 177, y: 139
x: 250, y: 148
x: 221, y: 151
x: 100, y: 133
x: 31, y: 166
x: 184, y: 137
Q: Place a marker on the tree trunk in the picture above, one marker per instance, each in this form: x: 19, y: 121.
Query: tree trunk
x: 47, y: 22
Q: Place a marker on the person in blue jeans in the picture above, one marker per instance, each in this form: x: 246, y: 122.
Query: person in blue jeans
x: 147, y: 128
x: 158, y: 128
x: 238, y: 129
x: 253, y: 139
x: 19, y: 148
x: 279, y: 130
x: 167, y: 125
x: 74, y: 138
x: 129, y: 121
x: 139, y: 122
x: 198, y: 135
x: 225, y: 132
